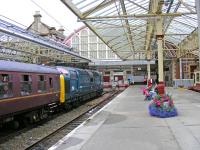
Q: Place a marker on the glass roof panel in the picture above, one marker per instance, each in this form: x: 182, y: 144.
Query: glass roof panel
x: 130, y: 24
x: 106, y: 11
x: 87, y: 4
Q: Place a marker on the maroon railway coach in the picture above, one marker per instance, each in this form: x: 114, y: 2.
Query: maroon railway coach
x: 27, y: 90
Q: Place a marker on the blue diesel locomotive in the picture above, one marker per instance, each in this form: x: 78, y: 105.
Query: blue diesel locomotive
x: 31, y: 91
x: 78, y: 85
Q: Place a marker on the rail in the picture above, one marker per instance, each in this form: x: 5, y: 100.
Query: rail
x: 48, y: 133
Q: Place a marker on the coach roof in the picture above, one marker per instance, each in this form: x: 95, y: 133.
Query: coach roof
x: 25, y: 67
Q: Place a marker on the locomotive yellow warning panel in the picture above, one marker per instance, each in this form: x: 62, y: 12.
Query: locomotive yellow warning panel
x: 62, y: 88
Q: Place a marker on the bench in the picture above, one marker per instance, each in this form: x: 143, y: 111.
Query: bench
x: 196, y: 88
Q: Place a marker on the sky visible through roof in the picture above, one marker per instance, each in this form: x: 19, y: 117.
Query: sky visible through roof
x: 53, y: 12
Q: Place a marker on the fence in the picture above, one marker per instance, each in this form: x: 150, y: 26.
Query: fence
x: 183, y: 83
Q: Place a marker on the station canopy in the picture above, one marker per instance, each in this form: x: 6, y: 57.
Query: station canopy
x: 129, y: 27
x: 18, y: 43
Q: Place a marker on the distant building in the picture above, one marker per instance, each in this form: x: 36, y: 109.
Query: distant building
x: 87, y: 44
x: 42, y: 29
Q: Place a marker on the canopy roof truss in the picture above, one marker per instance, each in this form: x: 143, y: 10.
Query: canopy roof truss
x: 19, y: 44
x: 128, y: 27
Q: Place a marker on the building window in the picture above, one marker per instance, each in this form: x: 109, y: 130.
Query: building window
x: 26, y: 85
x: 93, y: 55
x: 84, y: 33
x: 128, y: 72
x: 84, y: 53
x: 75, y: 39
x: 41, y: 84
x: 5, y: 86
x: 75, y: 47
x: 137, y: 55
x: 107, y: 72
x: 93, y: 46
x: 111, y: 54
x: 91, y: 33
x: 102, y: 46
x: 84, y: 47
x: 102, y: 55
x: 93, y: 39
x: 142, y: 56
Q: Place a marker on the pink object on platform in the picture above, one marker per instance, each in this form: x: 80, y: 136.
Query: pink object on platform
x: 161, y: 88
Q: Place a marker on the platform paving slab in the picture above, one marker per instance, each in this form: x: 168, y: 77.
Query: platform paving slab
x: 124, y: 124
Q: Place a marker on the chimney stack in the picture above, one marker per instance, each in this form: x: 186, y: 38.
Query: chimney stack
x: 37, y: 17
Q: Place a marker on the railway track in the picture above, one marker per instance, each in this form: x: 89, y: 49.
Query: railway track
x: 45, y: 135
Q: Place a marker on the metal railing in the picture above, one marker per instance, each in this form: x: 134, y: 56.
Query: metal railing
x: 183, y: 83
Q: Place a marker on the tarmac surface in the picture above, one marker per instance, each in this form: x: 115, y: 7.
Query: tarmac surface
x: 125, y: 124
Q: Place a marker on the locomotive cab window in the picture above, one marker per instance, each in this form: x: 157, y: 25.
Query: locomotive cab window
x: 5, y: 86
x: 26, y: 85
x: 91, y: 80
x: 41, y: 84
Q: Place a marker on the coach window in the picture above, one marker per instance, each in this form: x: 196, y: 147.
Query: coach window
x: 198, y: 79
x: 26, y: 85
x: 5, y: 86
x: 55, y: 84
x: 41, y: 84
x: 50, y: 84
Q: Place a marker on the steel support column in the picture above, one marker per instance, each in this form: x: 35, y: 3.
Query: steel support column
x: 159, y: 35
x: 173, y: 68
x: 149, y: 70
x: 132, y: 70
x: 160, y: 48
x: 148, y: 65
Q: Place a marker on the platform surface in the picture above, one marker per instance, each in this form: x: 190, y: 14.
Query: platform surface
x: 124, y: 124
